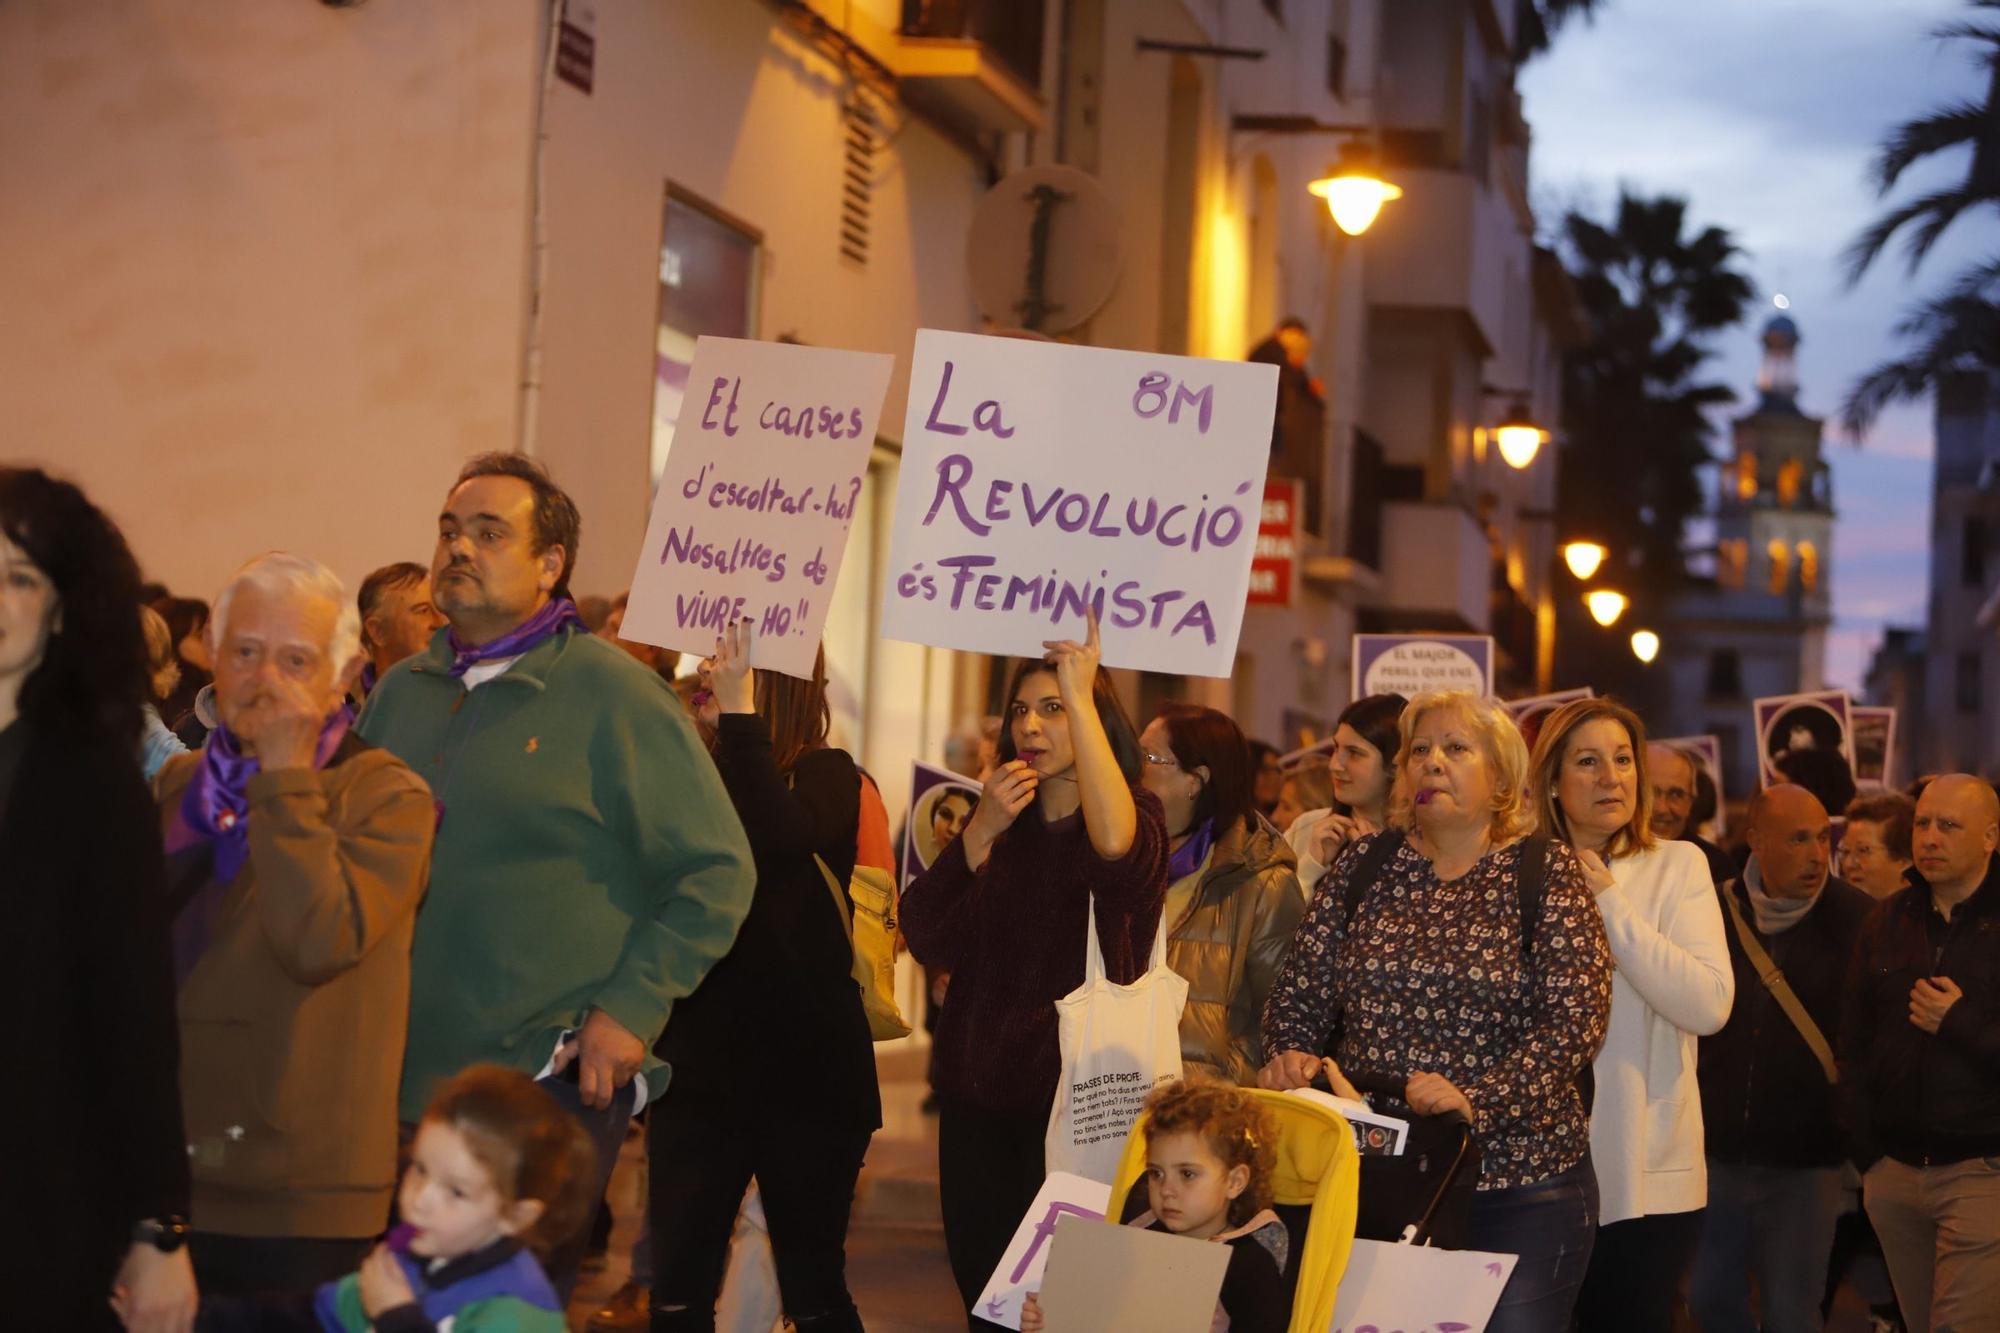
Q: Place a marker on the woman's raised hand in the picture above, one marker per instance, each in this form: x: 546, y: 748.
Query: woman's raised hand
x: 1330, y: 836
x: 1076, y: 663
x: 730, y: 678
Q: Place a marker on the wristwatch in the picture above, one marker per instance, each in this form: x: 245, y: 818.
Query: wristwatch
x: 165, y: 1234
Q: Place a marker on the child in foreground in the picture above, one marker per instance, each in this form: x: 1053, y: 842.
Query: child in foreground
x: 1210, y: 1151
x: 498, y: 1170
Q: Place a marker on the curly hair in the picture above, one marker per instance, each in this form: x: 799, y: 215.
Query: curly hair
x: 533, y: 1148
x: 93, y: 678
x: 1237, y: 1128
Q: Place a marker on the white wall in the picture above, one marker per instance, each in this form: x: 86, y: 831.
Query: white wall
x: 263, y: 265
x: 729, y: 103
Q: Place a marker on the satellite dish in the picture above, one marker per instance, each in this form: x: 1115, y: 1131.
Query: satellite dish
x: 1043, y: 249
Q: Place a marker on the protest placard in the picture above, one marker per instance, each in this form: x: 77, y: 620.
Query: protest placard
x: 1416, y: 1287
x: 1027, y: 1255
x: 1874, y: 734
x: 1409, y: 664
x: 1706, y: 752
x: 1040, y: 479
x: 940, y: 803
x: 751, y: 516
x: 1529, y: 713
x: 1790, y: 725
x: 1111, y: 1279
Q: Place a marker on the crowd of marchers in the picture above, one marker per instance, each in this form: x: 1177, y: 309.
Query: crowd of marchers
x: 353, y: 933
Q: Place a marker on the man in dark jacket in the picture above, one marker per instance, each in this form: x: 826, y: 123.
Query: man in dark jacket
x: 1767, y: 1078
x: 1920, y: 1063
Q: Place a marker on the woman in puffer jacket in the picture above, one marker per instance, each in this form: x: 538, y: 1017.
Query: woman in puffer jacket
x: 1233, y: 896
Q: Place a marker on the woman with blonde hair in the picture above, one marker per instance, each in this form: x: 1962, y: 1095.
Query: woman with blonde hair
x: 1453, y: 955
x: 1673, y: 983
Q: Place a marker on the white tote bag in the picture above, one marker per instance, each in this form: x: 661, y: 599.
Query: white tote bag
x: 1118, y: 1042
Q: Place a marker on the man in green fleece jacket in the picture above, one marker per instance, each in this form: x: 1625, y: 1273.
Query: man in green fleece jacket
x: 588, y: 867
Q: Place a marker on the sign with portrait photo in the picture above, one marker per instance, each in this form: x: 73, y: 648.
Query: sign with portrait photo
x: 940, y: 803
x: 1800, y: 733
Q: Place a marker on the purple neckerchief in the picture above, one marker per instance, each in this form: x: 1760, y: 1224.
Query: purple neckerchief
x: 216, y: 806
x: 215, y: 809
x: 552, y: 617
x: 1188, y: 859
x: 369, y: 675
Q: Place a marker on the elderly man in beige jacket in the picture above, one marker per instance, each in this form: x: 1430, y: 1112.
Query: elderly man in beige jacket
x: 297, y: 856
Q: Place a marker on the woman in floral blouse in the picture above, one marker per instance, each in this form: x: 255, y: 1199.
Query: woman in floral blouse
x: 1431, y: 983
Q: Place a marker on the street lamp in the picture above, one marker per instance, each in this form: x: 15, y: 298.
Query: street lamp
x: 1518, y: 436
x: 1583, y: 558
x: 1606, y: 606
x: 1355, y: 192
x: 1645, y: 645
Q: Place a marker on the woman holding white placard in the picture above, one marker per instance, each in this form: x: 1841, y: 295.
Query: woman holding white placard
x: 1006, y: 909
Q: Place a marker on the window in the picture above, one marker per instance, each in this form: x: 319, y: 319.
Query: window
x: 1972, y: 553
x: 1808, y: 566
x: 1746, y: 476
x: 1732, y: 562
x: 1336, y: 65
x: 1780, y: 557
x: 708, y: 285
x: 1725, y: 674
x: 1791, y: 475
x: 1967, y: 691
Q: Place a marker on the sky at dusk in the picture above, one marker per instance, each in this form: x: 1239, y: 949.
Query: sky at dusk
x: 1765, y: 115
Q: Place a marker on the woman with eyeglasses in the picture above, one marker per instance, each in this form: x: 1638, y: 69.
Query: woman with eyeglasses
x: 1063, y: 825
x: 1232, y: 897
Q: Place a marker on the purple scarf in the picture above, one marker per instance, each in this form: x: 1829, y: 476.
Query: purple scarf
x: 552, y: 617
x: 216, y: 807
x: 1188, y: 859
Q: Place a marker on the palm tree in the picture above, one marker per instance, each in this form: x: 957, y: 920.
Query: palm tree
x: 1960, y: 124
x: 1536, y: 23
x: 1958, y: 331
x: 1634, y: 410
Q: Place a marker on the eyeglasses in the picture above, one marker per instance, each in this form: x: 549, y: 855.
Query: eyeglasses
x: 1159, y: 760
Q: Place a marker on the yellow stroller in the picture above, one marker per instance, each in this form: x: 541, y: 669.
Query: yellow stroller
x: 1315, y: 1191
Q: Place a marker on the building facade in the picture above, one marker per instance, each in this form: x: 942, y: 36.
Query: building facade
x: 282, y: 253
x: 1947, y: 691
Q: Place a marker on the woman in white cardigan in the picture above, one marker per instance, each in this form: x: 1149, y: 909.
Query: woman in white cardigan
x: 1672, y: 983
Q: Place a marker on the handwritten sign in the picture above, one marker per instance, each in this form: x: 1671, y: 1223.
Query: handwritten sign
x: 1409, y: 664
x: 1027, y: 1256
x: 1419, y: 1289
x: 1041, y: 479
x: 750, y: 520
